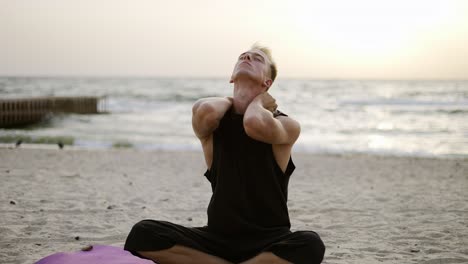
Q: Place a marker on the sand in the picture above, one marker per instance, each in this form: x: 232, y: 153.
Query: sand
x: 368, y: 209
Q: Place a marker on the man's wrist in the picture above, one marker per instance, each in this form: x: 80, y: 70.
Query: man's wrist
x: 255, y: 106
x: 230, y: 99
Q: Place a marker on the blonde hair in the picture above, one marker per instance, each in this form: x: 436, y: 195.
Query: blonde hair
x: 267, y: 51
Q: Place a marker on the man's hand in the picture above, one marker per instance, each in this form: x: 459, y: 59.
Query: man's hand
x: 266, y: 101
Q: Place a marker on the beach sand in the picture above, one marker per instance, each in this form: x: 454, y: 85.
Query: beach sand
x: 367, y: 209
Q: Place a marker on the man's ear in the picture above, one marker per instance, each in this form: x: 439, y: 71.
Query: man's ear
x: 267, y: 83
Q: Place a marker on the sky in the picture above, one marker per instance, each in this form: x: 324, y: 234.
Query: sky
x: 332, y: 39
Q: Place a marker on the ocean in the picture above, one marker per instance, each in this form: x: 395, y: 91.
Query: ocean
x: 410, y: 117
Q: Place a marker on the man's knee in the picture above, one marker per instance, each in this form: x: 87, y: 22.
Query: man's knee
x: 302, y: 247
x: 142, y: 229
x: 148, y: 235
x: 144, y: 225
x: 314, y: 244
x: 140, y: 225
x: 150, y: 226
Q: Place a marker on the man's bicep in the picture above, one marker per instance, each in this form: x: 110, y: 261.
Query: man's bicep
x: 198, y: 127
x: 196, y: 119
x: 207, y: 146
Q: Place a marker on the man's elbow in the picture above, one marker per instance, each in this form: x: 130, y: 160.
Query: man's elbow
x: 204, y: 114
x: 197, y: 105
x: 200, y: 108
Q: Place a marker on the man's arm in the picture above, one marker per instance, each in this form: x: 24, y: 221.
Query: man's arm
x: 206, y: 115
x: 260, y: 124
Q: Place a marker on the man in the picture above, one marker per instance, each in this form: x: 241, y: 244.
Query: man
x: 247, y: 147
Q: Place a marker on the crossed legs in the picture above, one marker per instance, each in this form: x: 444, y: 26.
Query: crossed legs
x: 167, y: 243
x: 180, y: 254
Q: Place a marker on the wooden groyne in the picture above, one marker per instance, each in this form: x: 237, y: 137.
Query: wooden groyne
x: 25, y: 111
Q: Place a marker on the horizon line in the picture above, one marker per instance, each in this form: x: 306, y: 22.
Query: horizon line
x: 224, y: 77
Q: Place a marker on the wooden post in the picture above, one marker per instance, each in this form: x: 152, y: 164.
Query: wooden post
x: 14, y: 112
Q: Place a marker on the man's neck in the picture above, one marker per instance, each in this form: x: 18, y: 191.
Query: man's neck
x: 244, y: 93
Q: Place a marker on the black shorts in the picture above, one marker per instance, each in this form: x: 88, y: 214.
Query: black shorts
x: 300, y: 247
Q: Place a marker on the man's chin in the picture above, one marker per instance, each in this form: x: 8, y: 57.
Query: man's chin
x: 245, y: 75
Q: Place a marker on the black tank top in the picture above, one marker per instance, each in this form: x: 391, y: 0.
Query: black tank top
x: 250, y: 190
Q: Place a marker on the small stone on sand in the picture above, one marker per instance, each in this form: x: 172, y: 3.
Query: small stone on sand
x: 87, y: 248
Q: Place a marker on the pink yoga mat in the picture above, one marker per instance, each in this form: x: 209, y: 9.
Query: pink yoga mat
x: 99, y: 254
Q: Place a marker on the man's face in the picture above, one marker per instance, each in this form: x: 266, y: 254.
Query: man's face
x: 252, y: 64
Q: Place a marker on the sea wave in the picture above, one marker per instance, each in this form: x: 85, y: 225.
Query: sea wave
x: 341, y: 115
